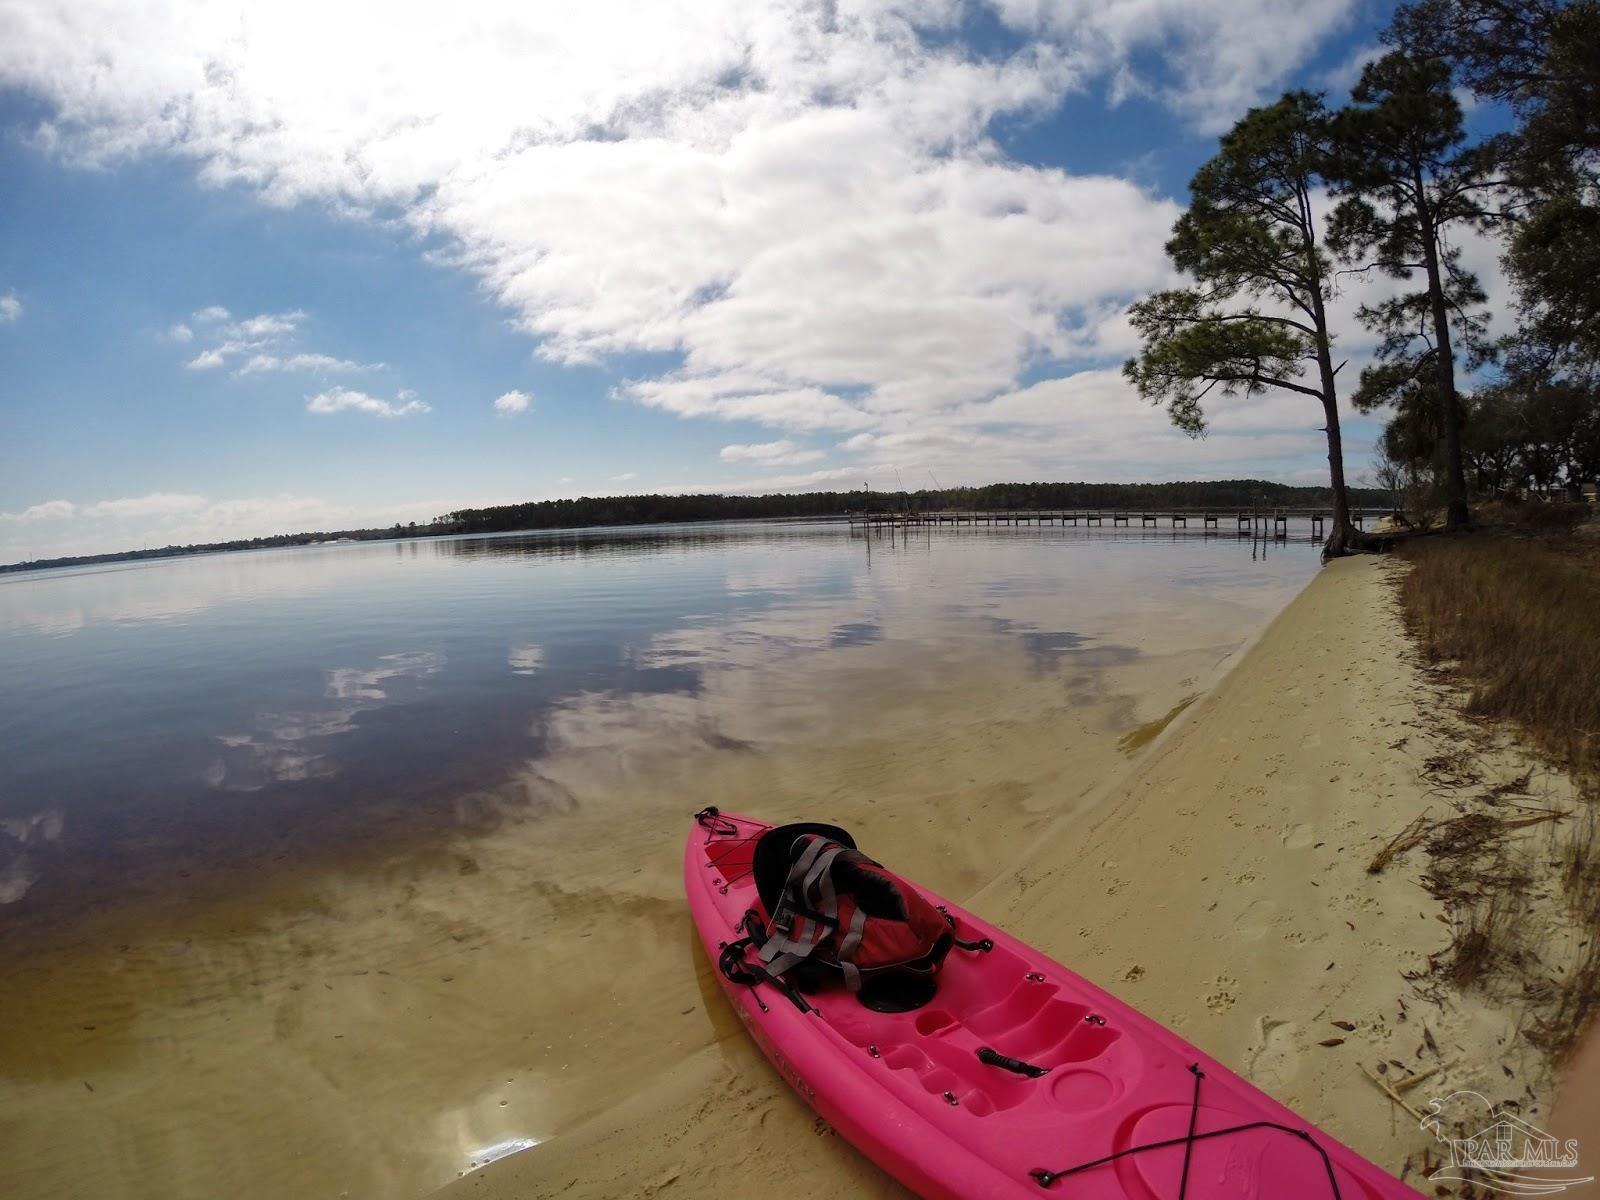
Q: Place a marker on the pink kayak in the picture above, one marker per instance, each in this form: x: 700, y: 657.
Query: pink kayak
x: 1018, y: 1077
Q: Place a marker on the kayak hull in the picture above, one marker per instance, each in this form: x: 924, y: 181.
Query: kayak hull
x: 909, y: 1091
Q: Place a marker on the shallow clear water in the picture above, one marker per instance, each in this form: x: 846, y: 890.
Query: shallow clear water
x: 338, y: 870
x: 203, y: 709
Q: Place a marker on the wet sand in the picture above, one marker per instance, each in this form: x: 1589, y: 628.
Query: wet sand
x: 1221, y: 886
x: 380, y: 1029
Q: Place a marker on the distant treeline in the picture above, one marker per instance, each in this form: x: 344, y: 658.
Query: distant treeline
x: 657, y: 509
x: 260, y: 543
x: 653, y: 509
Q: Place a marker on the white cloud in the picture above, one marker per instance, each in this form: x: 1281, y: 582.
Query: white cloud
x: 50, y: 510
x: 734, y: 396
x: 768, y: 453
x: 258, y: 345
x: 206, y: 360
x: 155, y: 504
x: 325, y: 363
x: 10, y: 308
x: 267, y: 326
x: 512, y: 402
x: 803, y: 207
x: 336, y: 400
x: 1342, y: 78
x: 1208, y: 62
x: 625, y: 476
x: 1089, y: 425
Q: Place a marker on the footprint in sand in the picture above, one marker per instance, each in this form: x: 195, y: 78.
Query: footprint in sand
x: 1297, y: 837
x: 1134, y: 973
x: 1258, y: 916
x: 1271, y: 1061
x: 1222, y: 998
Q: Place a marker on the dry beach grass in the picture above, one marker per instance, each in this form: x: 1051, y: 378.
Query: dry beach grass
x: 1509, y: 619
x: 1519, y: 621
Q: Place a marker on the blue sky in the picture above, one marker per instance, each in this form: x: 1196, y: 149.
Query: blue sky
x: 740, y: 246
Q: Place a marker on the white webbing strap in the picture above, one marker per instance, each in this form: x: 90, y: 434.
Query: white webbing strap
x: 810, y: 881
x: 848, y: 947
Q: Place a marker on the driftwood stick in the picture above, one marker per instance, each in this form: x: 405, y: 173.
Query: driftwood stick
x: 1411, y: 1081
x: 1547, y: 815
x: 1391, y: 1093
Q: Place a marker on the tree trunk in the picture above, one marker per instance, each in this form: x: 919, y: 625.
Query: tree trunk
x: 1457, y: 515
x: 1342, y: 537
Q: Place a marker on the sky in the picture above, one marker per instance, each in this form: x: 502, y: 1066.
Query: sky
x: 269, y: 268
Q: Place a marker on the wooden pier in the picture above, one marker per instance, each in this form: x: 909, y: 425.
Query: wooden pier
x: 1269, y: 522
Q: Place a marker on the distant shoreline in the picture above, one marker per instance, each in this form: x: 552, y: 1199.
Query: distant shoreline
x: 587, y: 512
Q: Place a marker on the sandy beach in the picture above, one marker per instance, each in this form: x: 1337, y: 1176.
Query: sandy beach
x: 1221, y: 885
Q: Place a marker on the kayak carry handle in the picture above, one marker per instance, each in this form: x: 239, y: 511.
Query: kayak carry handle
x: 711, y: 818
x: 994, y: 1058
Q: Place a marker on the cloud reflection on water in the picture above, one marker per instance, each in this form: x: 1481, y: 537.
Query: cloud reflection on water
x: 290, y: 747
x: 19, y: 869
x: 283, y: 675
x: 525, y: 659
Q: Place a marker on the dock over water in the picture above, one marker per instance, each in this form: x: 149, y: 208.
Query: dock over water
x: 1247, y: 522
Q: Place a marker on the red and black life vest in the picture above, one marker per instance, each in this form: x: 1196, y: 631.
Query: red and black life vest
x: 826, y: 907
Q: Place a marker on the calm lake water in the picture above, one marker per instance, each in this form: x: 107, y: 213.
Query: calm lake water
x: 162, y: 714
x: 339, y: 871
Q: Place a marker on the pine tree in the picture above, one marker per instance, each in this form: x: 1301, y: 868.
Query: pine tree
x: 1255, y: 318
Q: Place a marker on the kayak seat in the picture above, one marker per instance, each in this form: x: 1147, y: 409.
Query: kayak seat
x: 897, y: 920
x: 773, y: 856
